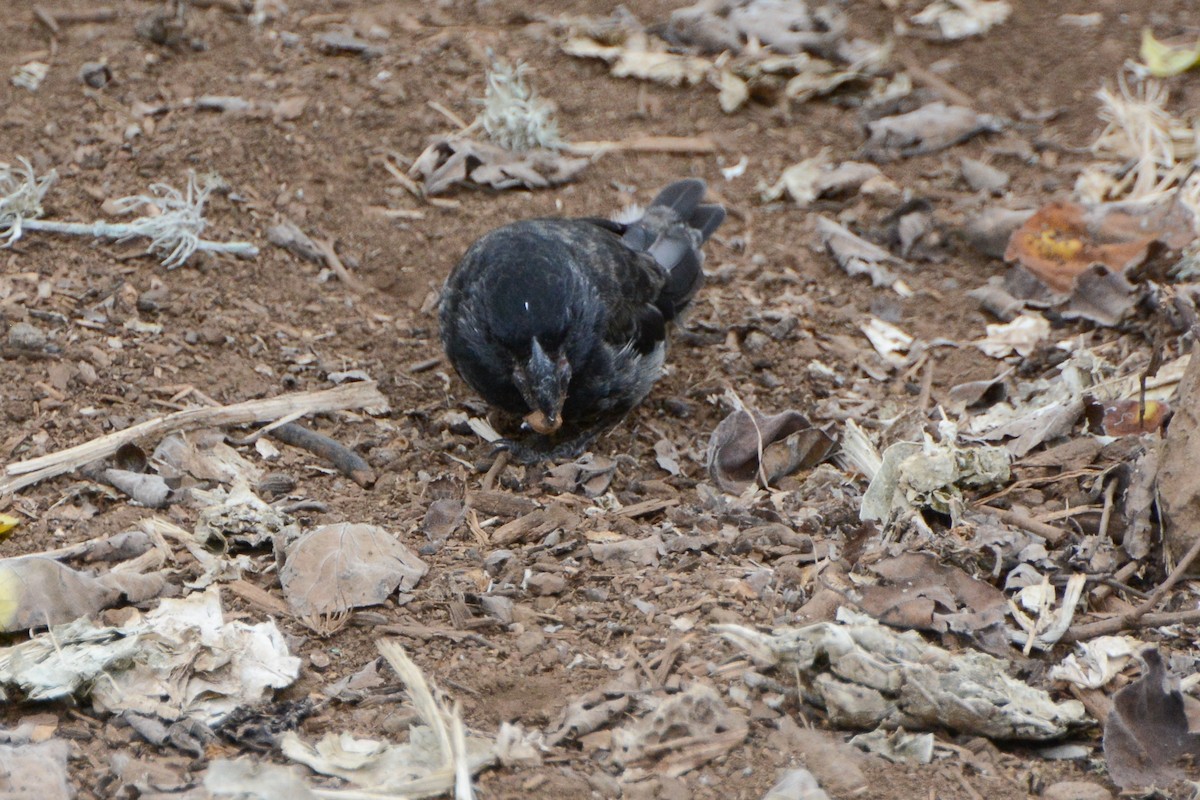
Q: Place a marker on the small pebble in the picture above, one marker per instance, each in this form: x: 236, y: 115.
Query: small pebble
x: 24, y: 336
x: 95, y: 74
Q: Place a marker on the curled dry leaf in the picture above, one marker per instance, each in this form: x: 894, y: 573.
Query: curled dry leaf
x: 959, y: 19
x: 816, y: 177
x: 36, y: 591
x: 1146, y: 737
x: 788, y: 442
x: 1127, y: 417
x: 1063, y: 239
x: 1021, y: 336
x: 917, y: 591
x: 636, y: 59
x: 930, y: 128
x: 449, y: 161
x: 1097, y: 661
x: 335, y: 568
x: 790, y: 28
x: 589, y: 475
x: 857, y: 256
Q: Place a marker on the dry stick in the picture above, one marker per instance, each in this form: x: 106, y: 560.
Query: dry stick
x: 684, y: 145
x: 1113, y: 625
x: 1110, y: 492
x: 1139, y: 616
x: 361, y: 394
x: 1120, y: 576
x: 335, y: 264
x: 926, y: 387
x: 936, y: 82
x: 489, y: 480
x: 1028, y: 524
x: 347, y: 462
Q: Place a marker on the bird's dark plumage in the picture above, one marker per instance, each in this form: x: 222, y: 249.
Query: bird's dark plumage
x: 564, y: 321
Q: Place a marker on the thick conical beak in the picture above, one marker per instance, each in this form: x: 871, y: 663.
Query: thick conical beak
x: 542, y: 382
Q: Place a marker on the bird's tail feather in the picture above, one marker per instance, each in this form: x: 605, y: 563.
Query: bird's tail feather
x: 672, y: 230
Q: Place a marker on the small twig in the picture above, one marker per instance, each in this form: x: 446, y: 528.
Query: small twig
x: 1138, y: 617
x: 458, y: 121
x: 680, y: 145
x: 1118, y: 578
x: 345, y: 460
x: 423, y: 366
x: 335, y: 264
x: 926, y: 386
x: 1109, y: 492
x: 939, y: 84
x: 1113, y: 625
x: 1028, y: 524
x: 489, y: 480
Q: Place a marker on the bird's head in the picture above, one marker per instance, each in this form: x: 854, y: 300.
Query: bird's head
x: 543, y: 320
x: 543, y: 379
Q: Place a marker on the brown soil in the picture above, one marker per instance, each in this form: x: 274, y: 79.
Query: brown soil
x: 241, y: 329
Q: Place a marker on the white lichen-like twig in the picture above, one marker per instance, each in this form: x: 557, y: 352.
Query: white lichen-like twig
x: 514, y: 117
x: 173, y: 226
x: 1142, y: 130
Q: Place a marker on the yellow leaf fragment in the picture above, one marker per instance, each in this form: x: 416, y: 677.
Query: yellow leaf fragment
x: 1165, y: 60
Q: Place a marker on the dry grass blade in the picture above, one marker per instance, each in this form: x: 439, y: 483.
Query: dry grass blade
x: 362, y: 394
x: 446, y: 723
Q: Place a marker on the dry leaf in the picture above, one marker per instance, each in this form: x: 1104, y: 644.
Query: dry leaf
x: 959, y: 19
x: 685, y: 731
x: 449, y: 161
x: 1164, y: 60
x: 787, y: 27
x: 589, y: 475
x: 1021, y: 336
x: 919, y: 592
x: 36, y: 591
x: 635, y: 60
x: 1063, y: 239
x: 1128, y: 417
x: 335, y: 568
x: 1146, y: 737
x: 930, y: 128
x: 857, y: 256
x: 788, y: 442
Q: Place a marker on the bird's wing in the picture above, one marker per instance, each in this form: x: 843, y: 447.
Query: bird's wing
x: 629, y: 283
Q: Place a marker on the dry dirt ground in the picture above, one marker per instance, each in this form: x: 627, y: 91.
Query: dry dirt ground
x: 240, y: 329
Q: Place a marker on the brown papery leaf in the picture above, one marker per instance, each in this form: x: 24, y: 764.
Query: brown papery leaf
x: 1059, y: 242
x: 1146, y: 737
x: 335, y: 568
x: 788, y: 442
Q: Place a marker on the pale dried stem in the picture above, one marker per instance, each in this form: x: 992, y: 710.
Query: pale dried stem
x: 362, y: 394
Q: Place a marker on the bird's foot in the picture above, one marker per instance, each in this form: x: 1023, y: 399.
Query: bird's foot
x: 537, y: 447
